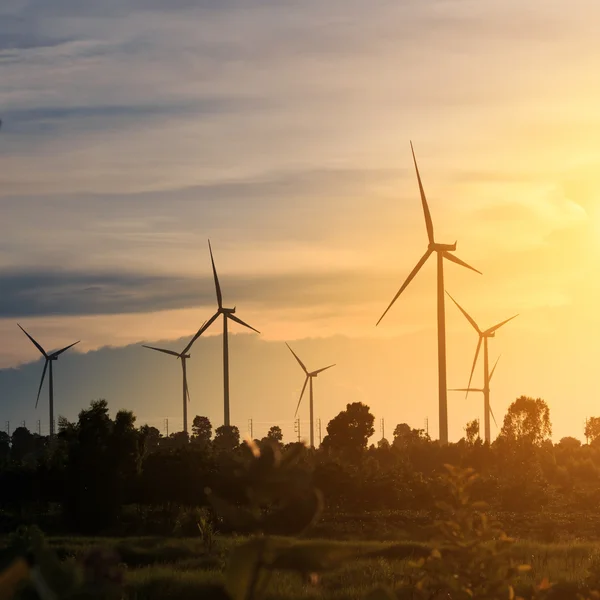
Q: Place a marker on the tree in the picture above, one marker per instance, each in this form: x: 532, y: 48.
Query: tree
x: 350, y: 429
x: 569, y: 443
x: 22, y: 444
x: 592, y: 429
x: 275, y: 433
x: 4, y: 446
x: 201, y: 430
x: 472, y: 431
x: 227, y: 437
x: 149, y: 439
x: 527, y: 420
x: 405, y: 436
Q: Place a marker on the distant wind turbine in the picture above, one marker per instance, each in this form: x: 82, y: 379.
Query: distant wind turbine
x: 183, y: 356
x: 228, y: 313
x: 309, y: 377
x: 487, y: 375
x: 443, y: 251
x: 50, y: 358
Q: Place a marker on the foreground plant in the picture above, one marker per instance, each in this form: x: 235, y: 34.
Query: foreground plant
x: 471, y: 557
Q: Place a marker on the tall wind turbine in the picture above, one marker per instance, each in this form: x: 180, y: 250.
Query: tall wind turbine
x: 442, y: 251
x: 182, y: 356
x: 309, y: 377
x: 228, y: 313
x: 487, y: 375
x: 50, y: 358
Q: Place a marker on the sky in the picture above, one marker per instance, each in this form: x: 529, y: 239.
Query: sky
x: 134, y: 130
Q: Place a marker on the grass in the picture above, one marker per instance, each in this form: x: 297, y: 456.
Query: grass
x: 179, y: 567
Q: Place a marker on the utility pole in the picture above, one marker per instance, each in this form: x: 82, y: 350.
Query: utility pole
x: 251, y: 428
x: 320, y: 439
x: 297, y: 428
x: 382, y: 426
x: 427, y: 425
x: 167, y: 426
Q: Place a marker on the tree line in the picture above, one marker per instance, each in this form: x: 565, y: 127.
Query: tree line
x: 102, y: 473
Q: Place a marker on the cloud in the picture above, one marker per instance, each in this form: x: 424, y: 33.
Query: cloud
x: 45, y: 293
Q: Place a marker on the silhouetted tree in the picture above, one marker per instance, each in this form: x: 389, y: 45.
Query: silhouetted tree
x: 527, y: 420
x: 4, y: 446
x: 592, y: 429
x: 472, y: 431
x: 275, y: 433
x: 149, y: 439
x: 201, y: 430
x: 227, y: 437
x: 405, y: 436
x: 569, y: 443
x: 22, y: 444
x: 351, y: 429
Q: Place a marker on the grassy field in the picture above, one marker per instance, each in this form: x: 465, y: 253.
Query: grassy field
x: 177, y: 567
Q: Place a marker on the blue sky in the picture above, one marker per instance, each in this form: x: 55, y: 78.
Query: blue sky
x: 135, y: 130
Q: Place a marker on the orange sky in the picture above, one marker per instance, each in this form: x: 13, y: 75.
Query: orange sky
x: 282, y: 133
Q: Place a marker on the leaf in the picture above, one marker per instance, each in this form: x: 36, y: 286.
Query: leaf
x: 435, y: 553
x: 544, y: 584
x: 524, y: 568
x: 245, y: 579
x: 511, y: 593
x: 12, y: 576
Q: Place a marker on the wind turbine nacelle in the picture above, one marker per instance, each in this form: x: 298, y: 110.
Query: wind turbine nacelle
x: 229, y: 311
x: 443, y: 247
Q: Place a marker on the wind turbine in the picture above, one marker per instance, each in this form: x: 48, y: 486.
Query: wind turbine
x: 183, y: 356
x: 50, y: 358
x: 228, y: 313
x: 309, y: 377
x: 487, y: 375
x: 443, y: 251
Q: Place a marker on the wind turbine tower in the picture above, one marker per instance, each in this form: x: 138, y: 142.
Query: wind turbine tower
x: 228, y: 314
x: 442, y: 252
x: 487, y: 374
x: 310, y: 375
x: 182, y: 356
x: 50, y: 358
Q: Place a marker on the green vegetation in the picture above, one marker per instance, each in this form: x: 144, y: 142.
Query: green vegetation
x: 248, y: 522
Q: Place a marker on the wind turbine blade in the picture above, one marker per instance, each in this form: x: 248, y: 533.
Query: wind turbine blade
x: 217, y: 286
x: 321, y: 370
x: 187, y: 390
x: 492, y: 329
x: 457, y: 260
x: 428, y: 221
x: 493, y: 417
x: 41, y: 383
x: 465, y: 390
x: 59, y: 352
x: 408, y: 280
x: 238, y: 320
x: 171, y: 352
x: 200, y: 331
x: 186, y: 349
x: 302, y: 394
x: 299, y: 361
x: 34, y: 342
x: 494, y: 368
x: 474, y: 363
x: 464, y: 312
